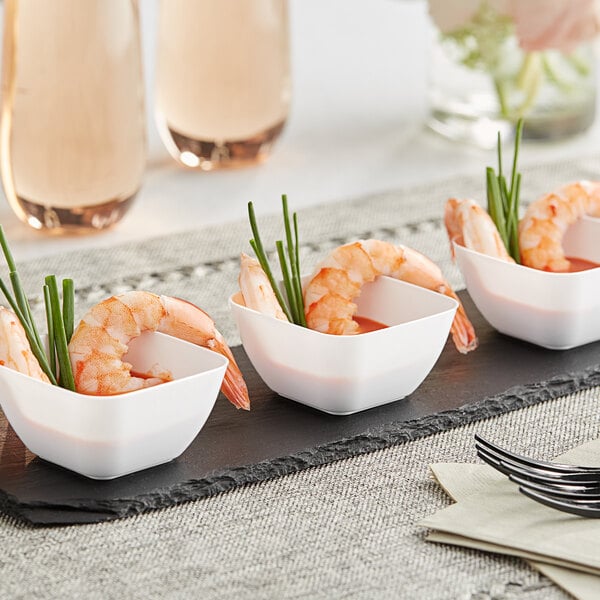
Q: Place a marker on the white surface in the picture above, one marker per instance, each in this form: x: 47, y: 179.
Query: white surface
x: 356, y: 126
x: 554, y: 310
x: 103, y: 437
x: 360, y: 371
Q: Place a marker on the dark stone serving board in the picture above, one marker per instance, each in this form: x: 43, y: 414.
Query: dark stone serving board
x: 279, y: 436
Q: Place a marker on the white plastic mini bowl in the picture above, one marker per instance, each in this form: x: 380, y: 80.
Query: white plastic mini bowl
x: 104, y: 437
x: 345, y: 374
x: 554, y: 310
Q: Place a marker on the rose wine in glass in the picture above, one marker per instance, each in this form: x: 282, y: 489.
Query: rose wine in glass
x: 72, y: 130
x: 223, y: 79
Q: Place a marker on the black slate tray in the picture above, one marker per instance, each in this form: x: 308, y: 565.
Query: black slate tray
x: 280, y: 436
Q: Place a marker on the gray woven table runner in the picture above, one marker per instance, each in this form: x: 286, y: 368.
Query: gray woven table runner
x: 345, y: 530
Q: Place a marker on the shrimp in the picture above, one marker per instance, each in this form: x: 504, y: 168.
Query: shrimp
x: 15, y: 351
x: 100, y: 341
x: 546, y: 220
x: 256, y: 289
x: 472, y: 227
x: 338, y: 280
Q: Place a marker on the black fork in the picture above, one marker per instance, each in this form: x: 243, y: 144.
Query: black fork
x: 569, y: 488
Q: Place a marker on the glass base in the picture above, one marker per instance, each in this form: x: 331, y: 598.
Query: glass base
x: 482, y: 131
x: 83, y: 219
x: 209, y: 155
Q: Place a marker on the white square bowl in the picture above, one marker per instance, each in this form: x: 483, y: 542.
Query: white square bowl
x: 554, y: 310
x: 103, y: 437
x: 344, y: 374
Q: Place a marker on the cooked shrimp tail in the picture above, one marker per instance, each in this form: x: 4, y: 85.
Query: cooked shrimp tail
x: 462, y: 330
x: 234, y: 387
x: 339, y: 278
x: 469, y: 225
x: 100, y: 342
x: 186, y: 321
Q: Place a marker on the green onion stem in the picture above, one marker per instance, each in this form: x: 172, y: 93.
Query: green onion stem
x: 504, y: 193
x: 503, y: 200
x: 515, y: 251
x: 287, y: 281
x: 499, y: 151
x: 297, y: 259
x: 264, y: 263
x: 518, y: 136
x: 289, y: 262
x: 495, y: 207
x: 68, y: 307
x: 60, y: 337
x: 50, y: 325
x: 296, y: 284
x: 19, y: 295
x: 23, y: 303
x: 10, y: 261
x: 288, y: 230
x: 17, y: 287
x: 60, y: 323
x: 37, y: 350
x: 261, y: 255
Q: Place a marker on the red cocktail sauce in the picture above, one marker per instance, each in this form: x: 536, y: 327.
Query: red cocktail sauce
x: 366, y: 325
x: 579, y: 264
x: 164, y: 376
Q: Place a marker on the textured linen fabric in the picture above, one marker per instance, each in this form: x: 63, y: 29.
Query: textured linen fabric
x: 346, y: 530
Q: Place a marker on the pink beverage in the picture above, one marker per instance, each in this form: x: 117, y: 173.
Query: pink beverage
x: 223, y: 79
x: 72, y: 129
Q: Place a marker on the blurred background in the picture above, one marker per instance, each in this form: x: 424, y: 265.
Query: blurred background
x: 356, y: 126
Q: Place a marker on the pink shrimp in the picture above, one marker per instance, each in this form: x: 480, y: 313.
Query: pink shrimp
x: 256, y: 289
x: 338, y: 280
x: 472, y: 227
x: 15, y: 350
x: 546, y: 220
x: 100, y: 342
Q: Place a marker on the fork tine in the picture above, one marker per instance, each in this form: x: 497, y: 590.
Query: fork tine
x: 493, y: 462
x: 525, y: 460
x: 530, y: 468
x: 539, y: 473
x: 562, y: 491
x: 591, y: 510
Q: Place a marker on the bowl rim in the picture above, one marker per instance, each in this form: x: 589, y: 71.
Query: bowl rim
x: 224, y: 362
x: 511, y: 265
x: 453, y: 306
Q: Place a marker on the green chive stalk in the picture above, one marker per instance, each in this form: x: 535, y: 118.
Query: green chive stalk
x: 59, y: 320
x: 261, y: 255
x: 38, y: 350
x: 289, y: 262
x: 50, y: 326
x: 60, y: 336
x: 503, y: 200
x: 68, y: 307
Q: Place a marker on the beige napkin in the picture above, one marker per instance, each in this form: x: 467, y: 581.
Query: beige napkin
x: 490, y: 507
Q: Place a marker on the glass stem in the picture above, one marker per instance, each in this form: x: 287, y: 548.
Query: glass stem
x: 578, y: 63
x: 501, y: 93
x: 530, y: 80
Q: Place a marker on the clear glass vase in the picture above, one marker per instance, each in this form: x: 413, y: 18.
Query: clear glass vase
x: 223, y: 80
x: 72, y: 131
x: 482, y: 81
